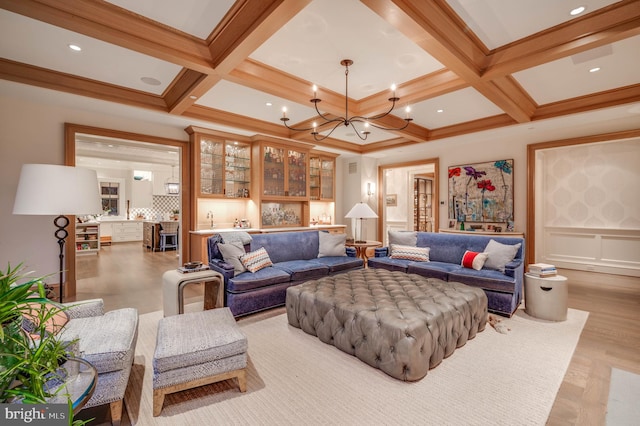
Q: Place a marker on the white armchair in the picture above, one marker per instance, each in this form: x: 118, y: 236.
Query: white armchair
x: 107, y: 341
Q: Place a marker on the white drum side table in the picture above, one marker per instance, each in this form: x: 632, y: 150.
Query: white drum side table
x: 546, y: 298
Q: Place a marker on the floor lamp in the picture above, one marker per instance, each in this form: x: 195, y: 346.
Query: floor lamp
x: 52, y: 190
x: 359, y: 212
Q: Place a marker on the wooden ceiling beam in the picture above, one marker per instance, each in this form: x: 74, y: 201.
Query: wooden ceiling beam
x: 109, y: 23
x: 54, y: 80
x: 613, y: 23
x: 432, y: 25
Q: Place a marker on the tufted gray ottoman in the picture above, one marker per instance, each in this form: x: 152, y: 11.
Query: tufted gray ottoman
x: 403, y: 324
x: 196, y: 349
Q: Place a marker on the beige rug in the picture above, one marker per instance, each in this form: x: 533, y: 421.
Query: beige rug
x: 495, y: 379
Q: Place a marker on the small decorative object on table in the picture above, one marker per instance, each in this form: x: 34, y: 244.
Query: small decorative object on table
x: 192, y: 267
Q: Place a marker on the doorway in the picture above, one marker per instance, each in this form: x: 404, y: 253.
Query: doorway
x: 408, y: 197
x: 110, y: 146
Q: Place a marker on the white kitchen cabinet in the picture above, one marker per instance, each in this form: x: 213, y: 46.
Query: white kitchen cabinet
x: 126, y: 231
x: 141, y: 194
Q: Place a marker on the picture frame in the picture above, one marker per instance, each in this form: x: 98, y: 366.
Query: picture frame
x: 391, y: 200
x: 481, y: 192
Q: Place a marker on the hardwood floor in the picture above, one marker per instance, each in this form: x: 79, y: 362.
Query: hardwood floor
x: 126, y: 275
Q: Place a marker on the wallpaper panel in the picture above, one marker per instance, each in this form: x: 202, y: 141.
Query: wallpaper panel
x: 596, y: 185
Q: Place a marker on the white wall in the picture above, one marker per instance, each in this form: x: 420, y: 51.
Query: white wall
x: 33, y: 132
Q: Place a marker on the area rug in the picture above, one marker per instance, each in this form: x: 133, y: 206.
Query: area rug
x: 294, y: 378
x: 624, y: 394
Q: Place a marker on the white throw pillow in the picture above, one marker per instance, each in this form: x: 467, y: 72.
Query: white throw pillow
x: 331, y: 244
x: 500, y: 254
x: 404, y: 238
x: 474, y: 260
x: 231, y: 253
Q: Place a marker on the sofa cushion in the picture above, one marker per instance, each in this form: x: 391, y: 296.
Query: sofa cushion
x: 256, y: 260
x: 263, y: 278
x: 500, y: 254
x: 417, y: 254
x: 388, y: 263
x: 285, y: 246
x: 340, y: 263
x: 474, y: 259
x: 231, y: 253
x: 405, y: 238
x: 302, y: 270
x: 106, y: 341
x: 438, y: 270
x: 331, y: 244
x: 486, y: 279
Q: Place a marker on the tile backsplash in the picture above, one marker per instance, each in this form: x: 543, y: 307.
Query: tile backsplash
x: 163, y: 205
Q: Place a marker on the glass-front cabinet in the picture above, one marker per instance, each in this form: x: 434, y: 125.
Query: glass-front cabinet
x: 321, y: 176
x: 284, y: 171
x: 222, y: 164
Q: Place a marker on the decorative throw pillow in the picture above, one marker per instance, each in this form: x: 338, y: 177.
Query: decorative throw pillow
x: 405, y: 238
x: 500, y: 254
x: 213, y: 243
x: 331, y: 244
x: 417, y: 254
x: 256, y: 260
x: 474, y: 260
x: 231, y: 253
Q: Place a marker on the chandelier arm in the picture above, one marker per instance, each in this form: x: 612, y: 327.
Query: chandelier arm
x: 358, y: 133
x: 326, y: 119
x: 294, y: 128
x: 407, y: 121
x: 323, y: 137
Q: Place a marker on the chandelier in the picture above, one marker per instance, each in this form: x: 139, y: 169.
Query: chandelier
x: 327, y: 120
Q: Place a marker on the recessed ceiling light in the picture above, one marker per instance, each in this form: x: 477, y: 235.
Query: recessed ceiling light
x: 440, y: 110
x: 151, y: 81
x: 193, y: 97
x: 75, y: 47
x: 594, y: 69
x: 269, y: 104
x: 577, y: 11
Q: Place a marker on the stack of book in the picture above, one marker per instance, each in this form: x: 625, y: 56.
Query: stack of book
x: 542, y: 270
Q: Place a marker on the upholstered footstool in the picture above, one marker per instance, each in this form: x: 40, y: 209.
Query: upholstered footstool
x: 196, y: 349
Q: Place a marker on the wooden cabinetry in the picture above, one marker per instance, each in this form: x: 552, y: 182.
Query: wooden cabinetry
x: 87, y: 237
x: 151, y: 236
x: 281, y: 176
x: 322, y: 176
x: 222, y: 164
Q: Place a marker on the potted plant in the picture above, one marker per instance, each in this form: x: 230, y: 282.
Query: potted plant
x: 29, y: 360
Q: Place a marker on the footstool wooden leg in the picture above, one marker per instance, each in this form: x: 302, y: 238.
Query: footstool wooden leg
x: 242, y: 380
x: 158, y: 400
x: 116, y: 412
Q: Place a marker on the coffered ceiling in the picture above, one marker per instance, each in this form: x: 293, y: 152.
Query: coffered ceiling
x: 463, y: 66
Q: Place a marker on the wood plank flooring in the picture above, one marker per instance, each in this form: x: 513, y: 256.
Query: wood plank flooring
x: 125, y: 275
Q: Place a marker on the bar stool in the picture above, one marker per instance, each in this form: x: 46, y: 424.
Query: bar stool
x: 169, y: 235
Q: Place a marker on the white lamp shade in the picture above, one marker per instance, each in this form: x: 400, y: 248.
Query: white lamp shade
x: 47, y: 189
x: 361, y: 211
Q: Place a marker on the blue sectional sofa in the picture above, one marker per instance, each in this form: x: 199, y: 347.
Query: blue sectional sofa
x: 295, y: 260
x: 502, y: 287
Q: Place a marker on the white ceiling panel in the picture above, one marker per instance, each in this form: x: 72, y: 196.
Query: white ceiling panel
x: 44, y: 45
x: 457, y: 107
x: 195, y: 17
x: 570, y: 77
x: 314, y: 42
x: 500, y: 22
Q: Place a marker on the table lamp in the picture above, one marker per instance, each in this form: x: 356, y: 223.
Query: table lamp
x: 53, y: 190
x: 359, y: 212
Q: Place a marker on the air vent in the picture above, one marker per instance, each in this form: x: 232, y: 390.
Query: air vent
x: 353, y: 168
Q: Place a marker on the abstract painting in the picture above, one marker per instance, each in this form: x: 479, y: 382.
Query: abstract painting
x: 481, y: 192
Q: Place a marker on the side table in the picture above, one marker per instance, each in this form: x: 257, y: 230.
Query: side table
x: 174, y: 282
x: 361, y: 248
x: 546, y: 298
x: 78, y: 385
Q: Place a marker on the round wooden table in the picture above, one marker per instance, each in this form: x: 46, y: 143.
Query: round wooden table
x: 361, y: 248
